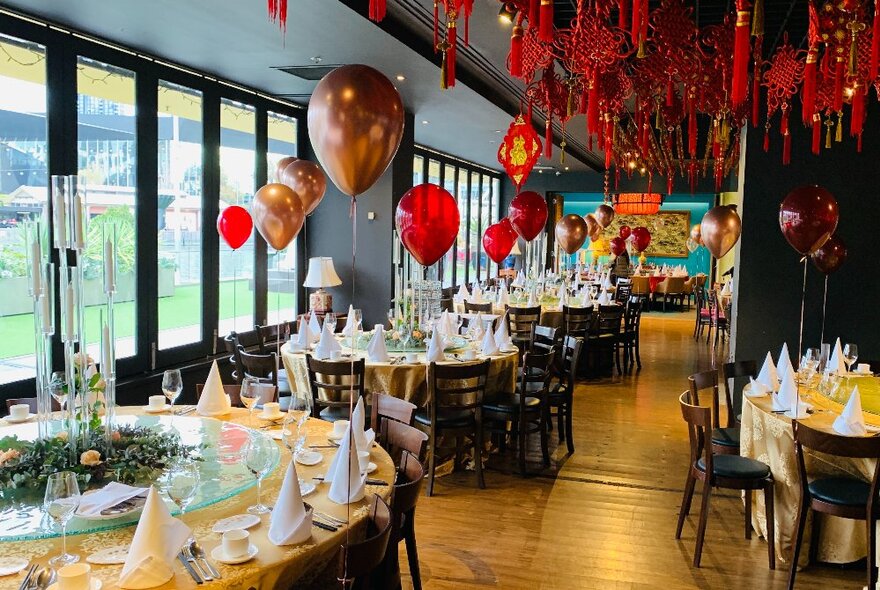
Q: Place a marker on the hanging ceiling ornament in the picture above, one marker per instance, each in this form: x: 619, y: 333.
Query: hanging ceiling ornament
x: 782, y: 78
x: 637, y: 203
x: 452, y: 10
x: 519, y: 151
x: 556, y: 98
x: 278, y: 13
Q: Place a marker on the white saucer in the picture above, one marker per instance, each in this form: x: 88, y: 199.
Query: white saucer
x: 12, y: 420
x: 803, y: 416
x: 217, y: 554
x: 239, y: 521
x: 150, y: 410
x: 306, y: 487
x: 331, y: 436
x: 309, y: 458
x: 95, y: 585
x: 372, y: 467
x: 12, y: 565
x: 754, y: 395
x: 272, y: 418
x: 109, y: 555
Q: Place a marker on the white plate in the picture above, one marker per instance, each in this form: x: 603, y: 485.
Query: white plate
x: 239, y: 521
x: 803, y: 416
x: 12, y: 565
x: 217, y: 554
x: 306, y: 487
x: 372, y: 467
x: 334, y: 438
x: 309, y: 458
x: 150, y: 410
x: 272, y: 418
x: 12, y: 420
x: 109, y: 556
x: 138, y: 503
x: 95, y: 585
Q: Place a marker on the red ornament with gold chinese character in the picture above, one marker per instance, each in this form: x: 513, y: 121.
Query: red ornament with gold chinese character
x: 519, y: 151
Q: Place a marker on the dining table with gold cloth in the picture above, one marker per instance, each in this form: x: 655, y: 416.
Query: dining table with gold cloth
x: 311, y: 564
x: 551, y: 315
x: 400, y: 379
x: 768, y: 437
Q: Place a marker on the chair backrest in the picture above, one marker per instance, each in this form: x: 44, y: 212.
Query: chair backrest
x: 262, y: 366
x: 675, y: 285
x: 358, y: 560
x: 632, y: 315
x: 701, y: 280
x: 520, y: 320
x: 268, y: 393
x: 231, y: 343
x: 536, y: 373
x: 335, y: 379
x: 576, y: 321
x: 410, y: 473
x: 386, y: 406
x: 477, y: 307
x: 706, y: 381
x: 641, y: 285
x: 396, y: 437
x: 268, y: 336
x: 732, y: 371
x: 621, y: 295
x: 546, y: 337
x: 571, y: 354
x: 456, y: 387
x: 699, y: 422
x: 609, y: 319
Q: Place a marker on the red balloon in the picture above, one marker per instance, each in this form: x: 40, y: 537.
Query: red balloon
x: 528, y: 214
x: 234, y: 224
x: 830, y: 256
x: 618, y: 246
x: 807, y: 217
x: 641, y: 238
x: 498, y: 240
x: 625, y: 231
x: 427, y: 220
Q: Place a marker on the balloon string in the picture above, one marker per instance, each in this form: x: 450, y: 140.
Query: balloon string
x: 824, y: 302
x: 234, y: 288
x: 352, y: 212
x: 803, y: 299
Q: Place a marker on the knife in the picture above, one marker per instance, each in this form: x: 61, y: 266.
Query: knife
x: 27, y: 577
x: 326, y: 527
x: 189, y: 568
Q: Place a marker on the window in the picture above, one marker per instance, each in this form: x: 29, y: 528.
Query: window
x: 418, y: 168
x: 238, y: 125
x: 107, y: 159
x: 496, y: 213
x: 281, y: 271
x: 23, y: 194
x: 474, y: 265
x: 179, y: 267
x: 448, y: 261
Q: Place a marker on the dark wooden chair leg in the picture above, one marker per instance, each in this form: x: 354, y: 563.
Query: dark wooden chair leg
x: 478, y: 453
x: 522, y: 444
x: 685, y: 502
x: 748, y: 515
x: 872, y: 548
x: 560, y: 426
x: 569, y: 435
x: 432, y: 461
x: 815, y: 531
x: 412, y: 555
x: 704, y: 520
x: 798, y: 539
x: 545, y: 442
x: 771, y: 523
x: 638, y: 354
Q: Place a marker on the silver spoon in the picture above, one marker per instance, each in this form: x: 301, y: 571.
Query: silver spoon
x: 44, y: 578
x: 199, y: 553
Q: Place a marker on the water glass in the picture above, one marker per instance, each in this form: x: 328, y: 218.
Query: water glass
x: 330, y: 320
x: 850, y: 355
x: 258, y: 460
x: 250, y: 395
x: 58, y: 390
x: 172, y: 385
x: 182, y: 483
x: 60, y: 502
x: 809, y: 364
x: 293, y: 429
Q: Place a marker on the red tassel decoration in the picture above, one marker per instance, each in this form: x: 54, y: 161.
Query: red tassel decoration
x: 643, y: 31
x: 857, y: 119
x: 278, y: 13
x: 516, y: 48
x: 468, y: 9
x: 839, y: 74
x: 593, y: 105
x: 809, y: 90
x: 786, y: 137
x: 452, y: 40
x: 607, y: 155
x: 817, y: 133
x: 377, y: 10
x: 650, y: 182
x: 622, y: 15
x: 875, y: 44
x: 670, y: 92
x: 548, y: 138
x: 716, y: 141
x: 670, y: 179
x: 545, y: 30
x: 767, y: 138
x: 756, y: 80
x: 582, y: 103
x: 739, y: 87
x: 436, y: 21
x: 534, y: 14
x: 859, y: 144
x: 692, y: 129
x: 616, y: 177
x: 636, y: 24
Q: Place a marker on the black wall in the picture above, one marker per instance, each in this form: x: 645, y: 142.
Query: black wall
x: 768, y: 289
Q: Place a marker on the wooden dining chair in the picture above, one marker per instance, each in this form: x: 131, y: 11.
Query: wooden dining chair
x: 721, y: 471
x: 725, y: 440
x: 545, y: 338
x: 703, y: 317
x: 576, y: 321
x: 561, y: 396
x: 407, y: 487
x: 232, y: 344
x: 359, y: 563
x: 477, y: 307
x: 269, y: 336
x: 455, y: 399
x: 396, y: 437
x: 604, y: 335
x: 386, y: 406
x: 524, y: 411
x: 840, y: 496
x: 519, y: 324
x: 629, y: 337
x: 332, y: 384
x: 264, y: 367
x: 268, y: 393
x: 730, y: 372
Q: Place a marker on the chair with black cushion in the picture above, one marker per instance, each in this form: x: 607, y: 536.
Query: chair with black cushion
x: 267, y: 391
x: 519, y: 323
x: 386, y: 406
x: 407, y: 486
x: 721, y: 471
x: 231, y: 343
x: 725, y: 440
x: 525, y: 410
x: 729, y: 373
x: 332, y: 384
x: 477, y: 307
x: 455, y: 394
x: 269, y: 336
x: 561, y: 397
x: 604, y: 335
x: 360, y: 563
x: 629, y: 337
x: 576, y: 321
x: 840, y: 496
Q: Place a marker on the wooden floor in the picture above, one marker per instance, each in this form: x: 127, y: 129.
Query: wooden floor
x: 604, y: 517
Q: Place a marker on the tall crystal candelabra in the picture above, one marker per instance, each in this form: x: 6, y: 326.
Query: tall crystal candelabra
x: 41, y: 286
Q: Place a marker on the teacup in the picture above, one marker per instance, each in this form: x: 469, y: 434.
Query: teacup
x: 412, y: 358
x: 339, y: 428
x: 863, y: 368
x: 335, y: 355
x: 271, y: 410
x: 156, y: 402
x: 235, y: 543
x: 77, y: 576
x: 469, y: 354
x: 19, y: 411
x: 364, y: 460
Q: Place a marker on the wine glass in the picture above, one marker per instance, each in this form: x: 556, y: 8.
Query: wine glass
x: 58, y: 390
x: 330, y: 320
x: 809, y: 365
x: 850, y: 355
x: 60, y: 502
x: 172, y: 385
x: 356, y: 320
x: 250, y: 395
x: 293, y: 429
x: 182, y: 483
x: 258, y: 459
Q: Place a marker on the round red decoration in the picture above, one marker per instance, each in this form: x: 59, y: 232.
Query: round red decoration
x: 235, y: 225
x: 641, y: 238
x: 618, y: 245
x: 498, y: 240
x: 830, y: 256
x: 807, y: 217
x: 528, y: 214
x: 427, y: 220
x: 519, y: 151
x: 625, y: 231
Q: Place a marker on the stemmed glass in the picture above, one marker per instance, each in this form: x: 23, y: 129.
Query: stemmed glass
x: 250, y: 395
x: 182, y: 483
x: 330, y: 320
x: 809, y: 365
x: 172, y: 385
x: 355, y: 320
x: 58, y: 390
x: 61, y: 501
x: 850, y: 355
x: 293, y: 429
x: 258, y: 459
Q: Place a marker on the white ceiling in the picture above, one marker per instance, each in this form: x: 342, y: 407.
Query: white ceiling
x: 234, y: 39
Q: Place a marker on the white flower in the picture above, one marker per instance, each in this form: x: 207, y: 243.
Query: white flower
x: 62, y: 435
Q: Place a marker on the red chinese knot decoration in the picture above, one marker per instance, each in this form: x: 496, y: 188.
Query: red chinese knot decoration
x: 519, y: 151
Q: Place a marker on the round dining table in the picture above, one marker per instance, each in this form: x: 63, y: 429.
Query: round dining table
x: 551, y: 315
x: 311, y: 564
x: 767, y: 436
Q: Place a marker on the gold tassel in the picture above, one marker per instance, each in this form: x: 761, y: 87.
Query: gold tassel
x: 725, y: 132
x: 853, y: 56
x: 658, y: 123
x: 828, y: 125
x: 758, y: 19
x: 641, y: 52
x: 838, y: 134
x: 614, y: 131
x: 562, y: 151
x: 569, y: 107
x: 443, y: 47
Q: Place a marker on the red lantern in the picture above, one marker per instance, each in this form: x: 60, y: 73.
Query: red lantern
x: 498, y: 240
x: 427, y: 220
x: 234, y: 224
x: 528, y: 214
x: 519, y: 151
x: 637, y: 203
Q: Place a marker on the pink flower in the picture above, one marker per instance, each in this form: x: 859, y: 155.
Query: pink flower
x: 115, y: 436
x: 90, y: 458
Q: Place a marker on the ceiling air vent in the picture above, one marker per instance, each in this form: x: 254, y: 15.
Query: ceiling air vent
x: 314, y: 73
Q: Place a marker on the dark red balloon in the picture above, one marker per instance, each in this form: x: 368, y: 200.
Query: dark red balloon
x: 427, y: 221
x: 618, y: 245
x: 641, y: 238
x: 528, y: 214
x: 625, y: 231
x: 498, y: 240
x: 807, y: 217
x: 830, y: 256
x: 234, y: 224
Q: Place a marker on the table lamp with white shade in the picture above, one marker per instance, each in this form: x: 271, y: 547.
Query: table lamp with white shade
x: 321, y: 274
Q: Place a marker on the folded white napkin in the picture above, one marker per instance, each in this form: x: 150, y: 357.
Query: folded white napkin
x: 657, y: 273
x: 289, y: 522
x: 836, y: 364
x: 476, y: 293
x: 604, y: 299
x: 463, y: 294
x: 213, y: 401
x: 351, y: 327
x: 363, y: 439
x: 757, y: 389
x: 586, y: 296
x: 502, y: 335
x: 451, y: 328
x: 314, y: 327
x: 727, y: 290
x: 376, y: 349
x: 476, y: 326
x: 304, y: 335
x: 577, y: 279
x: 606, y: 284
x: 435, y: 348
x: 784, y: 366
x: 851, y: 421
x: 503, y: 294
x: 327, y: 344
x: 157, y: 541
x: 787, y: 396
x: 520, y: 280
x: 563, y: 297
x: 110, y: 495
x: 344, y: 474
x: 489, y: 346
x: 768, y: 377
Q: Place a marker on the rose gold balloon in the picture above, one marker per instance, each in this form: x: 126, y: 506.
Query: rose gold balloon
x: 604, y: 215
x: 594, y: 228
x: 571, y: 232
x: 308, y: 181
x: 281, y: 165
x: 697, y: 234
x: 278, y: 214
x: 720, y: 229
x: 355, y: 125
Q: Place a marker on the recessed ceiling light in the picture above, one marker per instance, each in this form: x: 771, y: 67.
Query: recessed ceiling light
x: 425, y: 121
x: 540, y: 172
x: 401, y: 77
x: 316, y: 59
x: 498, y: 131
x: 566, y: 167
